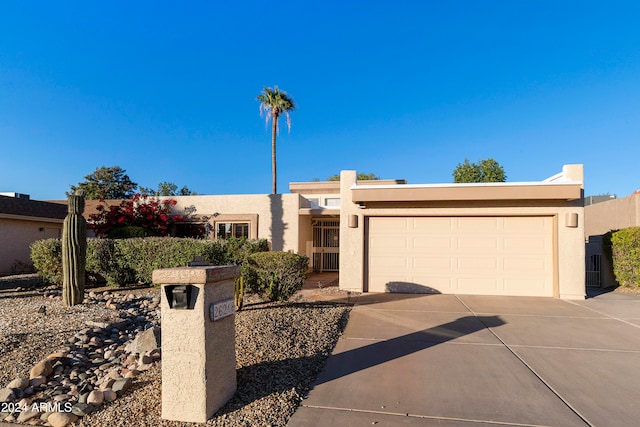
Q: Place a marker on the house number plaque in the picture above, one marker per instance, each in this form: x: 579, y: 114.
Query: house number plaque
x: 221, y: 309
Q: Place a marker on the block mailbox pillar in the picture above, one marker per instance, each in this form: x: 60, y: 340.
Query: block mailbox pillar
x: 198, y: 340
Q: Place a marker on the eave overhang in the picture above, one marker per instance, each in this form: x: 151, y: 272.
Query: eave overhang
x: 566, y: 191
x: 319, y: 211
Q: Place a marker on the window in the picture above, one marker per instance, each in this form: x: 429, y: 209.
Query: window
x: 226, y: 226
x: 315, y: 202
x: 227, y: 230
x: 332, y: 201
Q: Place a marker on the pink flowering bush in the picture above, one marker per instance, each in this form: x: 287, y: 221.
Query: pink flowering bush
x: 141, y: 211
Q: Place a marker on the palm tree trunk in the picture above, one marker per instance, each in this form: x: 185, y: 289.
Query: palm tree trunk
x: 273, y: 153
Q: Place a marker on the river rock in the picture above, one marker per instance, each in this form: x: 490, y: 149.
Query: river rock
x: 43, y: 368
x: 61, y: 419
x: 96, y: 397
x: 82, y: 409
x: 20, y: 383
x: 109, y: 395
x: 38, y: 381
x: 27, y: 415
x: 7, y: 394
x: 121, y: 386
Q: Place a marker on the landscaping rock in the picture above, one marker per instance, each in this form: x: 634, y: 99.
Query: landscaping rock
x: 7, y: 394
x: 96, y: 397
x: 27, y: 415
x: 42, y: 368
x: 61, y: 419
x: 121, y: 386
x: 146, y: 341
x: 20, y: 383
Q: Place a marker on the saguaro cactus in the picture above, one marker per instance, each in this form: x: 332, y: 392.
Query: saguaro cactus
x: 74, y: 251
x: 238, y: 294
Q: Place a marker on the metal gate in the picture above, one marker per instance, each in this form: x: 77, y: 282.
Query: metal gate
x: 594, y: 271
x: 326, y: 245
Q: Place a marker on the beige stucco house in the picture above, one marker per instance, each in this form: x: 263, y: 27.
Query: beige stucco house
x: 517, y: 238
x: 22, y: 222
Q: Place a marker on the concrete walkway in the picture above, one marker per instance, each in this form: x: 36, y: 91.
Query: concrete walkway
x: 447, y: 360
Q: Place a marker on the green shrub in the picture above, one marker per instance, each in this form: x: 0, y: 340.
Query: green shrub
x: 46, y: 256
x: 238, y: 250
x: 145, y: 255
x: 103, y: 266
x: 129, y: 232
x: 275, y: 275
x: 125, y: 261
x: 625, y: 245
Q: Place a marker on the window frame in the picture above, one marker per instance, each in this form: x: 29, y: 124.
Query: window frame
x: 250, y: 219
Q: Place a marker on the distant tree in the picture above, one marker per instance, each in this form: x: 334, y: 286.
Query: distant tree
x: 484, y: 171
x: 108, y: 183
x: 273, y: 103
x: 167, y: 189
x: 360, y: 177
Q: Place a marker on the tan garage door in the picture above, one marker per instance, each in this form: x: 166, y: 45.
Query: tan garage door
x: 461, y: 255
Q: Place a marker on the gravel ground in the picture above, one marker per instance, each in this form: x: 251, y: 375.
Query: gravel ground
x: 280, y: 349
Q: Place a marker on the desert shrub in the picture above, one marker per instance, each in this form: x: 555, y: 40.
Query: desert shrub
x: 238, y: 250
x: 275, y: 275
x: 129, y: 232
x: 103, y: 266
x: 625, y: 246
x: 46, y: 256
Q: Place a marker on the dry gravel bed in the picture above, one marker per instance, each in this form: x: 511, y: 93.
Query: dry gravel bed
x: 280, y: 349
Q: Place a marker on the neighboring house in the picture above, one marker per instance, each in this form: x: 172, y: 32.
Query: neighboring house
x: 600, y: 218
x: 516, y: 238
x: 22, y: 222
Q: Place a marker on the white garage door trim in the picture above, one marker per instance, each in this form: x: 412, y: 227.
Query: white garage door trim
x: 492, y: 255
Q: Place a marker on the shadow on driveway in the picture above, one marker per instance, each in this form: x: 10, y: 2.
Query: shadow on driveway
x: 379, y: 352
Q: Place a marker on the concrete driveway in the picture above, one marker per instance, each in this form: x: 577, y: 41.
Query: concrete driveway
x: 460, y: 360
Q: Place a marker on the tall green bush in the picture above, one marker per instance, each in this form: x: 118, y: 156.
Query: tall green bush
x: 625, y: 246
x: 46, y: 256
x: 275, y: 276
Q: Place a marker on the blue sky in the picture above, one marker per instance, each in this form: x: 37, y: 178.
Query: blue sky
x: 403, y: 89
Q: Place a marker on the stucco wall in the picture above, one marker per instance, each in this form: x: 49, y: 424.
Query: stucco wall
x: 615, y: 214
x: 305, y: 237
x: 17, y: 235
x: 278, y: 220
x: 351, y: 239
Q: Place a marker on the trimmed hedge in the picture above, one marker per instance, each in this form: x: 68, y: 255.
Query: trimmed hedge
x: 625, y: 248
x: 275, y: 276
x: 129, y: 232
x: 126, y: 261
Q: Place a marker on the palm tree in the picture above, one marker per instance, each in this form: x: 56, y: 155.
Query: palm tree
x: 274, y: 102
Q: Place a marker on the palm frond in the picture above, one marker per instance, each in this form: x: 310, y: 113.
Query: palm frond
x: 274, y: 102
